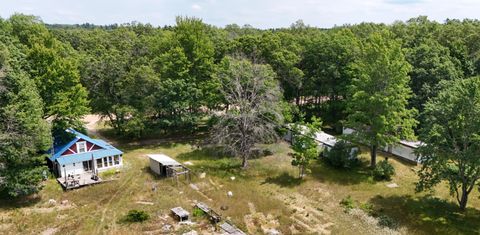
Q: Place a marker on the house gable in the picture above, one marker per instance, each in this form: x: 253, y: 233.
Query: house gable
x: 73, y: 148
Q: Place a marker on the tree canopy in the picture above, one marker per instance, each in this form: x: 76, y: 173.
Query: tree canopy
x: 451, y: 140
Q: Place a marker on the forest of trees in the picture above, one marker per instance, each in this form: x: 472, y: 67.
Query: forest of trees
x: 144, y: 78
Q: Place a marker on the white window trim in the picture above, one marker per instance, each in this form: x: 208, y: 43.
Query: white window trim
x: 85, y: 146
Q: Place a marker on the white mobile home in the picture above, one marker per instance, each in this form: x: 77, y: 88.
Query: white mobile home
x: 404, y: 149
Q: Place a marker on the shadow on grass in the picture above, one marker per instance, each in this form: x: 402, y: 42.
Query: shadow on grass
x: 284, y: 180
x: 12, y: 203
x: 356, y: 175
x: 428, y: 214
x: 203, y: 154
x: 156, y: 136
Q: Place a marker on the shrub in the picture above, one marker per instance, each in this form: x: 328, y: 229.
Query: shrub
x: 386, y: 221
x: 136, y: 216
x: 367, y: 207
x: 348, y: 203
x: 197, y: 212
x: 384, y: 170
x: 342, y: 155
x: 267, y: 152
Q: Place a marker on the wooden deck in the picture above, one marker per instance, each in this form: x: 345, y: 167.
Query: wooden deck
x: 78, y: 181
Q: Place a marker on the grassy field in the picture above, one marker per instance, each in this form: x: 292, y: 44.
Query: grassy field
x: 266, y: 197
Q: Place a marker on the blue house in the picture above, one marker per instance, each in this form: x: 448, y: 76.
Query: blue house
x: 83, y: 154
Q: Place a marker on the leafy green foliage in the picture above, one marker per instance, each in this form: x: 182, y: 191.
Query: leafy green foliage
x: 342, y: 155
x: 304, y: 145
x: 348, y: 203
x: 135, y: 216
x: 197, y: 212
x: 383, y: 170
x: 451, y: 141
x: 23, y: 132
x: 379, y: 95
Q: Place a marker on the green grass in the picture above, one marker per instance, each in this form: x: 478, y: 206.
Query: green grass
x: 271, y: 184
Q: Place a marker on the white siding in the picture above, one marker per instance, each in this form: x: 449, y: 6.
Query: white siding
x: 404, y: 152
x: 155, y: 166
x: 70, y: 169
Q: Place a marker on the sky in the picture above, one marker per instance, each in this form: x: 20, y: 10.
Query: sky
x: 257, y: 13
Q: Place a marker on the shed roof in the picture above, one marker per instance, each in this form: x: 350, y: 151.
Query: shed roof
x: 411, y: 144
x: 163, y: 159
x: 325, y: 138
x: 180, y: 212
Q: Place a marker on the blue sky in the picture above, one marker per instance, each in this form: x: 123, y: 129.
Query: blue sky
x: 258, y: 13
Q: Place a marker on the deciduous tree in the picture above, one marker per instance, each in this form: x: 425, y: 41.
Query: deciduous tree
x: 253, y: 96
x: 451, y: 139
x: 379, y: 95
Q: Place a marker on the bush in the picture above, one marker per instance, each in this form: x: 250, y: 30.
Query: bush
x: 197, y: 212
x: 386, y: 221
x: 342, y: 155
x: 348, y: 203
x: 383, y: 171
x: 136, y: 216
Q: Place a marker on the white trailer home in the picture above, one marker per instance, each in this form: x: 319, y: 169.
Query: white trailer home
x: 326, y: 141
x: 404, y: 149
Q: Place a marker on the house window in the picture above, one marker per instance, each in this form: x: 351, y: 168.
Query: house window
x: 82, y: 147
x: 110, y: 161
x: 105, y: 162
x: 117, y: 160
x: 99, y: 163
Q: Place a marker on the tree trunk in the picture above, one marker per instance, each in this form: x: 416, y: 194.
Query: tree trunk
x: 463, y: 200
x: 244, y: 162
x: 373, y: 154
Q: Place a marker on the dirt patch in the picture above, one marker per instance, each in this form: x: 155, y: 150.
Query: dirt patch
x: 259, y: 222
x: 49, y: 231
x: 5, y: 226
x: 308, y: 218
x: 43, y: 210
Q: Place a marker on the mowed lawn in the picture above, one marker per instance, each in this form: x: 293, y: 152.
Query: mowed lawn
x: 266, y: 197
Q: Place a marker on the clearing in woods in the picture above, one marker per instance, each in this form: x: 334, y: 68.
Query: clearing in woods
x: 267, y: 198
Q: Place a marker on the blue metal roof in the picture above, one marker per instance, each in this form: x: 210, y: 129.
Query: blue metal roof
x: 59, y: 150
x: 80, y: 157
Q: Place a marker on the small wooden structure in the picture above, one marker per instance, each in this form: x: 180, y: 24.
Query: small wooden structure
x: 180, y: 213
x: 165, y: 166
x: 213, y: 216
x: 229, y: 228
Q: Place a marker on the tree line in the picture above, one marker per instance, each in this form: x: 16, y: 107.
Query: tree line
x: 376, y: 78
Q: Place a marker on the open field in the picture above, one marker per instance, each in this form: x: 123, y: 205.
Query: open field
x: 267, y: 197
